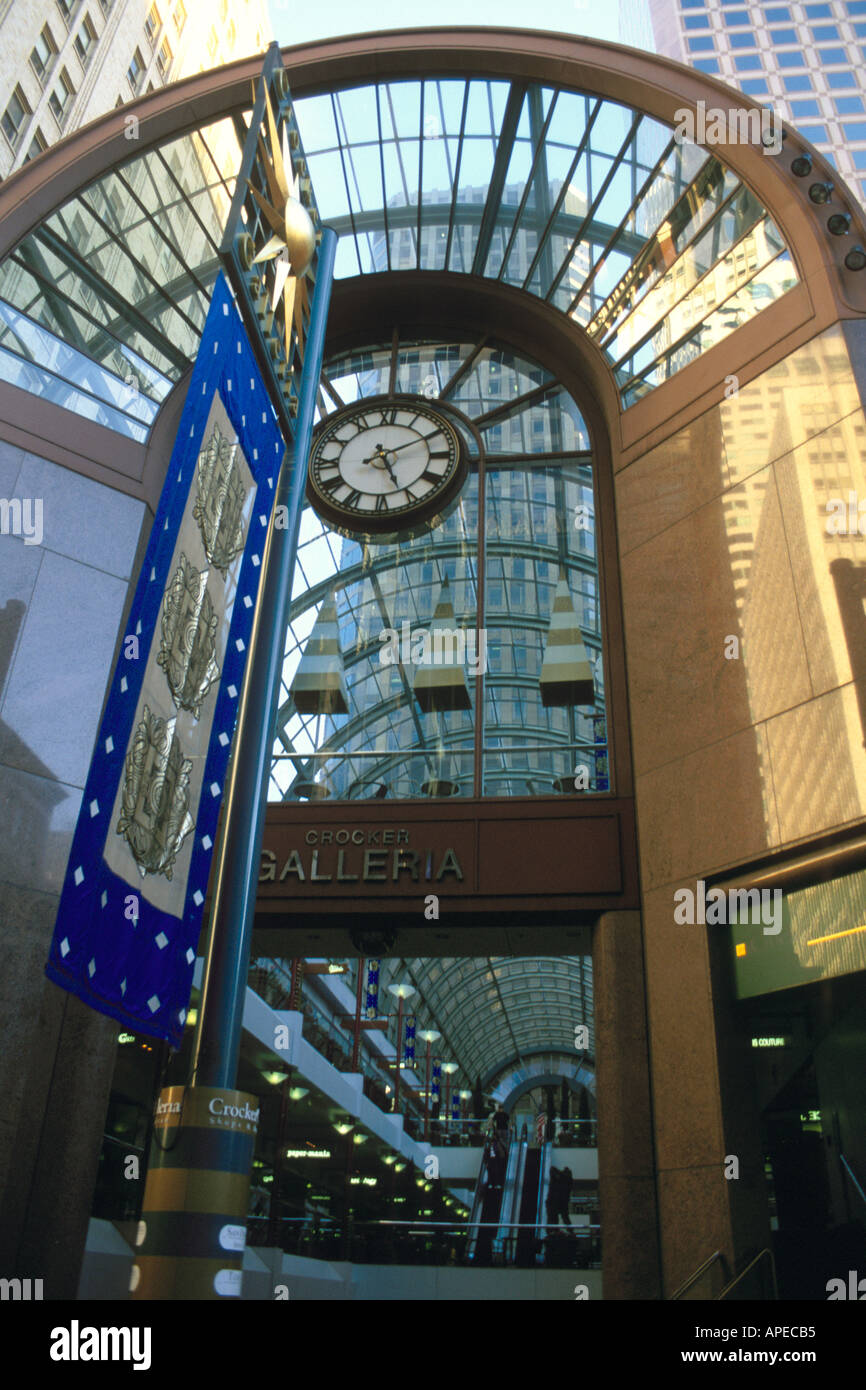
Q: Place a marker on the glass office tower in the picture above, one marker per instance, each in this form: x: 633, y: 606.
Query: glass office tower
x: 807, y: 61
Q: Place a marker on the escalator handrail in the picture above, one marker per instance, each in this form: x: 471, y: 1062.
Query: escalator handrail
x: 510, y: 1193
x: 543, y: 1187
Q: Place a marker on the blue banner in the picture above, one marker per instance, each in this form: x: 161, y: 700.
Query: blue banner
x: 130, y: 914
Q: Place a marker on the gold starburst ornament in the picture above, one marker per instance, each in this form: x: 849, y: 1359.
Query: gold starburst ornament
x: 293, y: 240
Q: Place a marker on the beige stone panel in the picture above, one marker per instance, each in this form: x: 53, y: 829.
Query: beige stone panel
x: 774, y: 653
x: 694, y: 1220
x: 701, y: 813
x: 670, y: 482
x: 819, y: 763
x: 827, y: 471
x: 629, y: 1241
x: 788, y: 404
x: 682, y: 1032
x: 683, y: 596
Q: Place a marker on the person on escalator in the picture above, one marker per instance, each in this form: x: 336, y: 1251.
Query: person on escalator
x: 500, y: 1125
x: 559, y: 1196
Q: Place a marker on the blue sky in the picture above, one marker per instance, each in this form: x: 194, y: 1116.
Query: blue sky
x: 294, y: 23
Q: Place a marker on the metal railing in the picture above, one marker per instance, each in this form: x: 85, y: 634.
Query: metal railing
x: 699, y: 1273
x: 853, y: 1176
x: 765, y: 1255
x: 419, y: 1242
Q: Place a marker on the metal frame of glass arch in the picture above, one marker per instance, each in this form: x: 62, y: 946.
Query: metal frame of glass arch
x: 503, y: 53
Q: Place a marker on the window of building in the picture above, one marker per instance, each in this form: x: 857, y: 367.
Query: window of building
x: 860, y: 31
x: 816, y: 133
x: 231, y: 35
x: 777, y: 14
x: 848, y: 106
x: 152, y: 24
x: 61, y: 97
x: 179, y: 16
x: 737, y: 17
x: 855, y: 130
x: 224, y: 10
x: 748, y: 62
x: 855, y: 7
x: 832, y: 55
x: 135, y: 71
x: 836, y: 80
x: 15, y: 117
x: 693, y: 4
x: 743, y: 41
x: 783, y: 35
x: 44, y: 53
x: 697, y: 21
x: 803, y: 109
x: 830, y: 158
x: 798, y: 84
x: 755, y: 87
x: 106, y: 6
x: 821, y: 33
x: 791, y: 60
x: 67, y: 8
x: 84, y: 41
x: 710, y: 65
x: 163, y: 57
x: 212, y: 43
x: 818, y: 12
x: 859, y: 159
x: 701, y: 44
x: 37, y: 145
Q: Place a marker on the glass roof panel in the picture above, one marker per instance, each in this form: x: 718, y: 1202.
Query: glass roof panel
x: 579, y: 200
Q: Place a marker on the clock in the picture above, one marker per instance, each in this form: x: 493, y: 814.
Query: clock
x: 386, y: 468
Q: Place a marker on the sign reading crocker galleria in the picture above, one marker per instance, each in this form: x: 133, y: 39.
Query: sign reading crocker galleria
x: 372, y: 855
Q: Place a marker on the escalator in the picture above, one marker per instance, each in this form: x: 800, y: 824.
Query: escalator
x: 527, y: 1236
x: 488, y: 1203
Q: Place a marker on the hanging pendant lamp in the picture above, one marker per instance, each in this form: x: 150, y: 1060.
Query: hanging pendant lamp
x: 319, y: 686
x: 566, y: 675
x: 441, y: 684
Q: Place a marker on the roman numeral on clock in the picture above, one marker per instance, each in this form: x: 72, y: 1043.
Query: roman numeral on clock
x: 387, y: 416
x: 381, y: 503
x: 353, y: 500
x: 331, y: 484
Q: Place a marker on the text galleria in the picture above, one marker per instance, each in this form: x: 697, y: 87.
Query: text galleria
x: 371, y: 866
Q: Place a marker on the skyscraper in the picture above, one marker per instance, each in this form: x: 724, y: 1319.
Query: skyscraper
x: 807, y: 61
x: 66, y: 63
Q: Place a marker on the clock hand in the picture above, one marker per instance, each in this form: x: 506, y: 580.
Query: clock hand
x: 380, y: 452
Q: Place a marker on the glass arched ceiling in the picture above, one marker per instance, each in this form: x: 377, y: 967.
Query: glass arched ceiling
x: 653, y: 247
x: 529, y: 1004
x: 505, y: 741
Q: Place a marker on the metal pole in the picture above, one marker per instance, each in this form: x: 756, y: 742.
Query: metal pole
x: 427, y: 1096
x: 218, y: 1035
x: 399, y: 1055
x: 356, y: 1035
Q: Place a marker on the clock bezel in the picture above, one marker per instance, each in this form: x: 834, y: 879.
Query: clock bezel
x: 426, y: 513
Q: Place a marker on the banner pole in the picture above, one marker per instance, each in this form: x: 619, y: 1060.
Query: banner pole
x: 218, y: 1033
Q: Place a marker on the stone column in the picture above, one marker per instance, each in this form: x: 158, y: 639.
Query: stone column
x: 626, y: 1162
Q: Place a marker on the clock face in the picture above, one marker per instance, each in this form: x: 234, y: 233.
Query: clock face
x: 386, y: 468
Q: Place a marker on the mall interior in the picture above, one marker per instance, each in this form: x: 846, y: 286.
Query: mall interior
x: 653, y: 354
